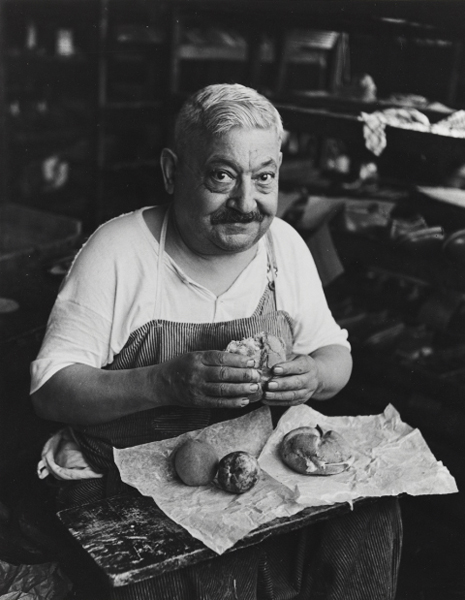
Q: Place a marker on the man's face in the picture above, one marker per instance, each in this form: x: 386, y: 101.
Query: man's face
x: 226, y: 190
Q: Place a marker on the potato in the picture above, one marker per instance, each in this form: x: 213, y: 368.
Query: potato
x: 238, y: 472
x: 309, y: 451
x: 196, y: 462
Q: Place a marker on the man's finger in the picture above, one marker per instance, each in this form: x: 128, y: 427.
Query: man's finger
x: 228, y: 359
x: 230, y: 390
x: 297, y: 366
x: 283, y: 403
x: 294, y: 396
x: 238, y: 402
x: 292, y: 382
x: 231, y: 375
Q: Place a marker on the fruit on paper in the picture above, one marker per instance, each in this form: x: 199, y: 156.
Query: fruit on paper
x: 196, y: 462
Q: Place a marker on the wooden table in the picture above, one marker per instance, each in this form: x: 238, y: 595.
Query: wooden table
x: 129, y: 539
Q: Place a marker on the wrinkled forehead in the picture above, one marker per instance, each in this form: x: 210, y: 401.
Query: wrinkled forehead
x: 202, y: 144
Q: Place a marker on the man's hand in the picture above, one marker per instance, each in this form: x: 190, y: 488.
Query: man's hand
x: 212, y: 379
x: 320, y: 375
x: 293, y: 382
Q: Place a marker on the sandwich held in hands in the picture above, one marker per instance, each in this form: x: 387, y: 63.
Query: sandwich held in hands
x: 310, y: 451
x: 266, y: 349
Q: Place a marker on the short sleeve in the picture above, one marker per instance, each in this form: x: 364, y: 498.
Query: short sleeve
x: 301, y: 294
x: 79, y: 328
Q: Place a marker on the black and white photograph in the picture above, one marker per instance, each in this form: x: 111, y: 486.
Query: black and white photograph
x: 232, y: 299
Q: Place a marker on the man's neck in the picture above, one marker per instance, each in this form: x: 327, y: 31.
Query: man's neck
x: 216, y: 272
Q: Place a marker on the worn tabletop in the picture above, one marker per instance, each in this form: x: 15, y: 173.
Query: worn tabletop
x: 130, y: 539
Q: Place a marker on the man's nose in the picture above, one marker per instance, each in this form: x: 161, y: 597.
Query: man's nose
x: 242, y: 197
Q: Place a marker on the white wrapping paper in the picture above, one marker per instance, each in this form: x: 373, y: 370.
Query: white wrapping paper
x: 389, y: 458
x: 215, y: 517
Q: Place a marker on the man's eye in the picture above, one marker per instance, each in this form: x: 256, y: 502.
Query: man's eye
x: 266, y: 177
x: 220, y: 176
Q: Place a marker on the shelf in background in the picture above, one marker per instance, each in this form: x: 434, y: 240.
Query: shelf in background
x: 37, y: 57
x: 435, y: 269
x: 350, y: 128
x: 197, y: 52
x: 340, y: 104
x: 322, y: 122
x: 415, y: 18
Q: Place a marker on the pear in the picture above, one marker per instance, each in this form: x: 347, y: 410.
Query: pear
x: 196, y: 462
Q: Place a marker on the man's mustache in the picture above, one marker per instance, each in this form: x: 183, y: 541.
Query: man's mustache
x: 227, y: 215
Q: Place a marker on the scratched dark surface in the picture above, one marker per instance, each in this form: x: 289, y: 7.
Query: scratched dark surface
x: 130, y: 539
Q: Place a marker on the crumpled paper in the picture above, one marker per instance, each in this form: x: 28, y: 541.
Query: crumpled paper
x: 215, y: 517
x: 389, y: 458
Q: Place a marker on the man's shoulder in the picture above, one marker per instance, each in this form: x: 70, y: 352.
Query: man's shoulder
x: 114, y: 241
x: 282, y: 232
x: 291, y: 249
x: 119, y: 224
x: 118, y: 232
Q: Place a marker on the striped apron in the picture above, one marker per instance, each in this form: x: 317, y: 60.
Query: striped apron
x: 353, y: 557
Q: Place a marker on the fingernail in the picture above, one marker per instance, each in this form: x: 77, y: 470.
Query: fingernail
x: 244, y: 402
x: 278, y: 370
x: 272, y: 385
x: 254, y: 387
x: 251, y: 363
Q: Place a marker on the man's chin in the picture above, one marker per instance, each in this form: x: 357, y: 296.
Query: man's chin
x: 238, y: 239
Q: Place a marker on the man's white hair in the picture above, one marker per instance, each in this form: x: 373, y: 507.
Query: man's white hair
x: 217, y: 108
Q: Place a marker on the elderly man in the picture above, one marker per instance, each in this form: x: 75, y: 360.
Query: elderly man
x: 134, y: 349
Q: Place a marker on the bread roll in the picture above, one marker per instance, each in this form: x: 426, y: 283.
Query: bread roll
x: 238, y: 472
x: 310, y: 451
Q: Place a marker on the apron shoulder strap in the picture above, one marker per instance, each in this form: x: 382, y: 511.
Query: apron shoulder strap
x: 160, y: 270
x: 272, y: 263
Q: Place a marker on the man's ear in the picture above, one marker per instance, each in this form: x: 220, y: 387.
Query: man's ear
x: 280, y: 159
x: 168, y: 163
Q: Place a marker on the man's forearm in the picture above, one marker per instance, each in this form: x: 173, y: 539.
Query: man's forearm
x: 84, y: 395
x: 334, y: 369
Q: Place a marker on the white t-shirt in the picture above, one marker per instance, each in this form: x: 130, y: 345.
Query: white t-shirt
x: 110, y: 291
